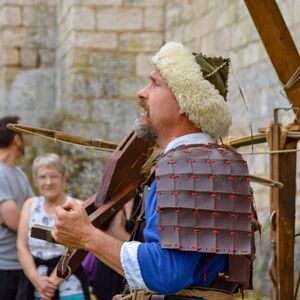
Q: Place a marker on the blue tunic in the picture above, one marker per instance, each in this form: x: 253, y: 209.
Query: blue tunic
x: 168, y: 271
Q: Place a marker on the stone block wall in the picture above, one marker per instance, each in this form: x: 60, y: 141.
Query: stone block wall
x: 102, y: 60
x: 27, y: 58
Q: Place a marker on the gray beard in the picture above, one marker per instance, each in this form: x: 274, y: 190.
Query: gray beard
x: 144, y: 132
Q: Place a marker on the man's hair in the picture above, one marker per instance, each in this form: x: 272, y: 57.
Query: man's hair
x: 199, y: 84
x: 7, y: 135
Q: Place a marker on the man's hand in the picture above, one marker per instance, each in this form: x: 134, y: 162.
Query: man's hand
x: 72, y: 226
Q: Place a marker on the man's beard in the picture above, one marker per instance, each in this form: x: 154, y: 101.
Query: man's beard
x: 145, y: 132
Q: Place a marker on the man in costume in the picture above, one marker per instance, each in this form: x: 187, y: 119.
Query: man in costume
x: 198, y: 210
x: 14, y: 189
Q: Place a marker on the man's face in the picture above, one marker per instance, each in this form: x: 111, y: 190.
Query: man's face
x: 161, y: 109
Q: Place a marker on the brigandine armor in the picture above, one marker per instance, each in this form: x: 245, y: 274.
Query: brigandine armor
x: 205, y: 204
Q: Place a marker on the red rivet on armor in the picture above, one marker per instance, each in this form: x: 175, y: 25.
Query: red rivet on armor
x: 230, y: 177
x: 215, y: 214
x: 215, y: 231
x: 215, y: 249
x: 177, y: 228
x: 172, y: 162
x: 190, y: 161
x: 175, y: 193
x: 197, y: 248
x: 177, y: 210
x: 224, y: 151
x: 193, y: 176
x: 206, y: 150
x: 250, y: 235
x: 196, y: 212
x: 231, y: 250
x: 249, y: 216
x: 173, y: 176
x: 160, y: 228
x: 248, y: 179
x: 244, y: 163
x: 214, y: 195
x: 232, y: 233
x: 210, y: 161
x: 232, y: 196
x: 233, y: 215
x: 157, y: 178
x: 158, y: 193
x: 187, y: 150
x: 194, y: 194
x: 195, y: 229
x: 228, y: 162
x: 250, y: 198
x: 178, y: 245
x: 213, y: 177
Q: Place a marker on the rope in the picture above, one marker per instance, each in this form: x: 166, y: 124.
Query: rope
x: 294, y: 78
x: 292, y: 81
x: 246, y: 103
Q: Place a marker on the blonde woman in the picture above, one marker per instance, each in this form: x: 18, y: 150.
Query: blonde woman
x: 39, y: 258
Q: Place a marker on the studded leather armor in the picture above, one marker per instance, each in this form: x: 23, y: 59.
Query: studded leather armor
x: 205, y: 204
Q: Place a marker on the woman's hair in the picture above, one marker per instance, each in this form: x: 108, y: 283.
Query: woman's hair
x: 48, y: 160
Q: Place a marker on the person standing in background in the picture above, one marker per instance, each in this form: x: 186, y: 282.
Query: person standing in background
x: 14, y: 190
x: 37, y: 257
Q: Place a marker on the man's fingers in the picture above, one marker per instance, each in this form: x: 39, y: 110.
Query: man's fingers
x: 70, y: 205
x: 63, y: 211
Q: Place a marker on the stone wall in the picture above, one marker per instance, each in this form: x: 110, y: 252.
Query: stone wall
x: 27, y: 58
x: 103, y: 59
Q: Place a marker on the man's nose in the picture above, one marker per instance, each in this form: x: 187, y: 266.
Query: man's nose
x: 142, y: 93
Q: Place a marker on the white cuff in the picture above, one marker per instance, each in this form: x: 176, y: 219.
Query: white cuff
x: 131, y: 267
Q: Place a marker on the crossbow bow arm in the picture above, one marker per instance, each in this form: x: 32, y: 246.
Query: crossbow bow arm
x: 120, y: 180
x: 61, y: 136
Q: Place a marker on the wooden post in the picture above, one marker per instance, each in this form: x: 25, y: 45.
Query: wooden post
x: 283, y: 169
x: 278, y: 42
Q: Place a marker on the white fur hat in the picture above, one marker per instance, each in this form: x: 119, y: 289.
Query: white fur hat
x: 204, y: 105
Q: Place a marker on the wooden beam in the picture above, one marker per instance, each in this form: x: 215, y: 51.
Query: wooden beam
x: 278, y: 43
x: 283, y: 169
x: 247, y: 140
x: 257, y: 138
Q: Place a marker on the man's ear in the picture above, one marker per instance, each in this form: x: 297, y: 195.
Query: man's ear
x: 18, y: 140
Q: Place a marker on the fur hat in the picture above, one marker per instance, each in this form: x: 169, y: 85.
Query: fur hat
x: 200, y: 98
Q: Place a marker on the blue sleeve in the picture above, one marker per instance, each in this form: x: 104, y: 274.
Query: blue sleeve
x: 168, y: 271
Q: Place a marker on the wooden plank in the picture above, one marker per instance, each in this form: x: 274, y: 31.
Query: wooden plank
x: 283, y: 169
x: 247, y: 140
x: 278, y: 42
x: 258, y: 138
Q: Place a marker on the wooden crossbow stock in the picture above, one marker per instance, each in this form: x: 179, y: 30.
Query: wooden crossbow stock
x: 121, y: 178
